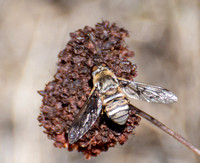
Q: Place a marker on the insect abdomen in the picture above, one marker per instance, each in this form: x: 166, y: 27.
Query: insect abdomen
x: 116, y: 108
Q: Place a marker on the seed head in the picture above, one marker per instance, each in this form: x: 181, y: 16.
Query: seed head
x: 66, y: 94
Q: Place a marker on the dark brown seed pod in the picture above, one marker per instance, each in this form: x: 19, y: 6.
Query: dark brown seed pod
x: 66, y: 94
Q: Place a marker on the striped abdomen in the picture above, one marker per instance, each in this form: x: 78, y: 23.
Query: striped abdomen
x: 116, y: 107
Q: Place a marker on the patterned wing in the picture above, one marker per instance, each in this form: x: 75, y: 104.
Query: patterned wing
x: 149, y: 93
x: 85, y: 118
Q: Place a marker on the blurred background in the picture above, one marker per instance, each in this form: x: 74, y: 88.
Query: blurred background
x: 165, y: 36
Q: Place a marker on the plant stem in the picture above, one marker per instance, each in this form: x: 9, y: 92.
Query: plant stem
x: 166, y: 129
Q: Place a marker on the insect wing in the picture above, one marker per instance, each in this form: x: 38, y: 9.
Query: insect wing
x: 145, y: 92
x: 85, y: 118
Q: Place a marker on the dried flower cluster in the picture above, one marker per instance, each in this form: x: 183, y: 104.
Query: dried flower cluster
x: 66, y: 94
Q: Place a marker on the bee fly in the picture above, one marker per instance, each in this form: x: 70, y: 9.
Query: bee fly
x: 111, y: 94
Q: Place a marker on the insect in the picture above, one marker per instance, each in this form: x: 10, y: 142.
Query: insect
x: 111, y: 95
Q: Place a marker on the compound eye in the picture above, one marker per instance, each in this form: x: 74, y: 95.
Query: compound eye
x: 94, y: 68
x: 103, y: 65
